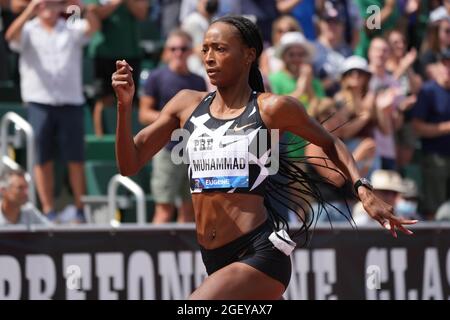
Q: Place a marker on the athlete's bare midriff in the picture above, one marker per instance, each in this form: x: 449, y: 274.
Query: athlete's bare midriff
x: 223, y: 217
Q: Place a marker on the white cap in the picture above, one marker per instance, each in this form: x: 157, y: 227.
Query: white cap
x: 439, y: 14
x: 355, y: 62
x: 290, y: 39
x: 387, y: 180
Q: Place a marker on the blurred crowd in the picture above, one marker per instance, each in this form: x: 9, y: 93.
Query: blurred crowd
x: 375, y: 73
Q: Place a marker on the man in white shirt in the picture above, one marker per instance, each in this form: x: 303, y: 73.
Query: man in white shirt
x: 14, y: 206
x: 51, y: 51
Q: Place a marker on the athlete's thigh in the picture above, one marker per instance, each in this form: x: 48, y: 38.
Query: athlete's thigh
x: 238, y: 281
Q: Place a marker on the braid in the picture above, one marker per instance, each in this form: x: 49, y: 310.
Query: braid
x: 292, y: 188
x: 251, y: 36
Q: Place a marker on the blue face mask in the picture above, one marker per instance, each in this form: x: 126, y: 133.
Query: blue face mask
x: 406, y: 208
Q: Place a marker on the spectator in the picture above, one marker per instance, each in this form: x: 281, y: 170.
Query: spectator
x: 169, y: 14
x: 413, y: 23
x: 186, y: 8
x: 331, y: 49
x: 387, y: 185
x: 118, y: 39
x: 264, y: 11
x: 269, y: 62
x: 350, y: 15
x: 431, y: 121
x: 388, y: 17
x: 356, y: 104
x: 388, y: 98
x: 197, y: 22
x: 354, y: 99
x: 196, y: 25
x: 303, y: 11
x: 296, y: 78
x: 15, y: 208
x: 169, y: 182
x: 400, y: 65
x: 51, y: 86
x: 229, y: 7
x: 406, y: 205
x: 437, y: 41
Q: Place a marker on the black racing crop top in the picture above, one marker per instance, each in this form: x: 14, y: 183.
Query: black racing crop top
x: 227, y: 155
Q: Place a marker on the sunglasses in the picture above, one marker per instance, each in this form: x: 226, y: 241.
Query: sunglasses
x: 182, y: 49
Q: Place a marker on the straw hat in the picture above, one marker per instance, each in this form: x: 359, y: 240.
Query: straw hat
x: 290, y: 39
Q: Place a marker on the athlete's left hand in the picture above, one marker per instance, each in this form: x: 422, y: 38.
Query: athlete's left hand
x: 383, y: 213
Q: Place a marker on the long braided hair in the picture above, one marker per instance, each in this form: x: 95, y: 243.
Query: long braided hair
x: 292, y: 188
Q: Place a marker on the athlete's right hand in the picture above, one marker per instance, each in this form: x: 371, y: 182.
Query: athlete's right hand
x: 123, y: 84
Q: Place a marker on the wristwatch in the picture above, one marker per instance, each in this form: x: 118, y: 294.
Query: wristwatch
x: 364, y: 183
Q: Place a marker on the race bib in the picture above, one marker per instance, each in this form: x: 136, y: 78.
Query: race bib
x: 219, y: 165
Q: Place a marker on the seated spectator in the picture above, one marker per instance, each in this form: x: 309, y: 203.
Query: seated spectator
x: 387, y: 186
x: 15, y: 209
x: 431, y: 122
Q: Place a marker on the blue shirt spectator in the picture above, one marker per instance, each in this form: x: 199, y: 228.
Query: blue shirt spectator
x: 433, y: 106
x: 163, y: 84
x: 304, y: 13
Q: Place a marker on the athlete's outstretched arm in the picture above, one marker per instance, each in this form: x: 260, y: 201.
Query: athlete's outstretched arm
x: 287, y: 114
x: 133, y: 153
